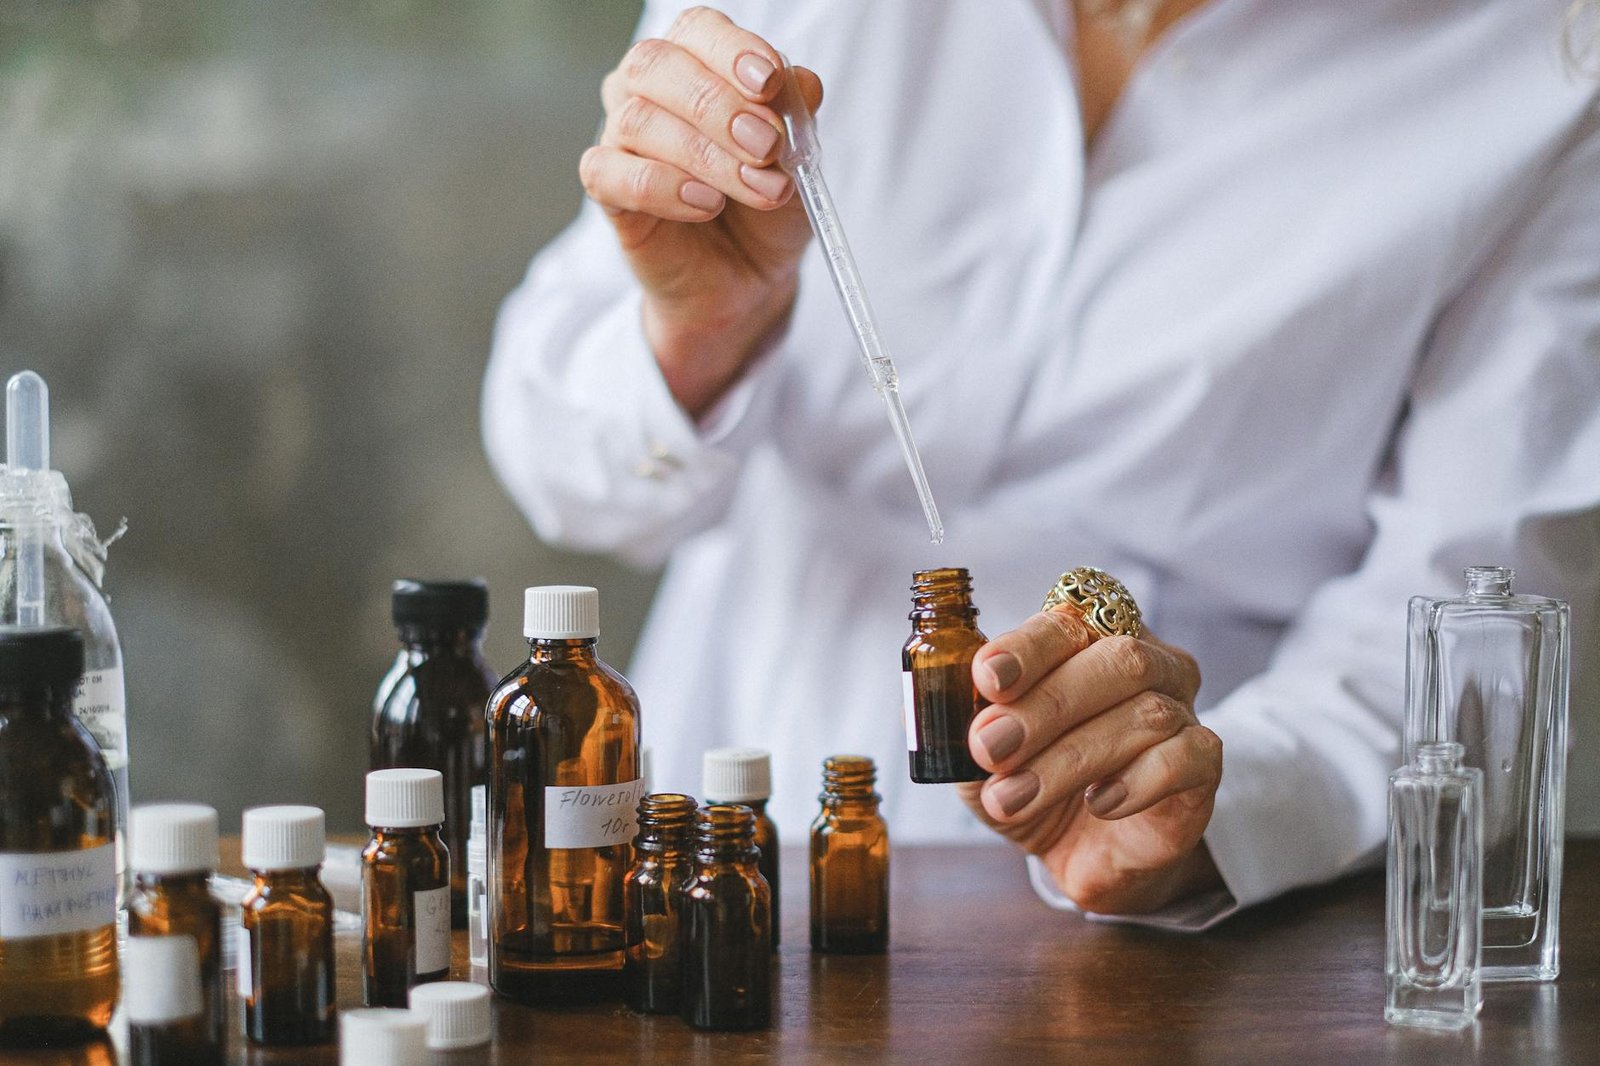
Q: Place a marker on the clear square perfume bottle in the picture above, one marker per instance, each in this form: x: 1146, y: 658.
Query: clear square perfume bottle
x: 1488, y: 670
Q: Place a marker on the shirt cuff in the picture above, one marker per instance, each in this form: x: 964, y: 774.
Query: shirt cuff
x: 1192, y: 915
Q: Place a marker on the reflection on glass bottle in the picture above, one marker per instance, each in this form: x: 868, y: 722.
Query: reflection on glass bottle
x: 1435, y: 890
x: 1488, y: 670
x: 286, y: 973
x: 849, y: 861
x: 477, y: 882
x: 563, y: 786
x: 744, y: 775
x: 936, y: 669
x: 726, y: 937
x: 663, y: 862
x: 405, y: 886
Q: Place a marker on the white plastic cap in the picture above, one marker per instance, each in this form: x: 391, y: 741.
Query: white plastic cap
x: 383, y: 1036
x: 737, y: 775
x: 405, y: 798
x: 457, y: 1013
x: 561, y: 612
x: 172, y: 838
x: 284, y: 838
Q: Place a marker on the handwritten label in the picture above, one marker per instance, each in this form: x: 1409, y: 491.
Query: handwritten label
x: 166, y: 987
x: 590, y: 816
x: 908, y: 703
x: 101, y: 706
x: 245, y: 975
x: 431, y: 908
x: 55, y: 892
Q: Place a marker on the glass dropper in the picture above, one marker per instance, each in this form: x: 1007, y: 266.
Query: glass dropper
x: 28, y: 449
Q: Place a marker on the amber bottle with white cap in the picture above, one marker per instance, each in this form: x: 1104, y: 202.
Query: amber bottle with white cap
x: 563, y: 786
x: 744, y: 775
x: 286, y: 971
x: 405, y: 886
x: 175, y: 1000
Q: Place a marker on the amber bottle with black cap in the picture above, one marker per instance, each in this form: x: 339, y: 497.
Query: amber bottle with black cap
x: 849, y: 861
x: 936, y: 663
x: 726, y: 930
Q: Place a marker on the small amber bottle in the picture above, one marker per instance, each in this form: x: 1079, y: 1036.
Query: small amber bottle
x: 563, y: 787
x: 405, y: 886
x: 429, y: 708
x: 726, y: 925
x: 663, y: 863
x: 744, y: 775
x: 286, y: 928
x: 849, y: 861
x: 936, y: 665
x: 58, y: 867
x: 176, y: 1003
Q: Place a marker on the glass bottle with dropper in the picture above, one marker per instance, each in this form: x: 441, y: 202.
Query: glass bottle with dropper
x: 936, y: 669
x: 663, y: 863
x: 405, y: 886
x: 726, y: 935
x: 58, y: 935
x: 176, y: 1003
x: 849, y: 861
x: 744, y: 775
x: 286, y: 968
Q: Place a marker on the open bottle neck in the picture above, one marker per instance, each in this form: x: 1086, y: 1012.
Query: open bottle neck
x: 579, y: 650
x: 1489, y: 582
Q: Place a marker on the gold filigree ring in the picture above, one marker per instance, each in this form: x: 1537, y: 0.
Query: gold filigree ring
x: 1104, y: 602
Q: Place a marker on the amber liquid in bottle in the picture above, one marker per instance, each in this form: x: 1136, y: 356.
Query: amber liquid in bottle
x: 428, y: 711
x: 662, y: 866
x: 937, y: 665
x: 849, y: 861
x: 181, y: 905
x: 726, y: 938
x: 58, y: 984
x: 767, y: 861
x: 288, y: 918
x: 563, y: 789
x: 399, y: 870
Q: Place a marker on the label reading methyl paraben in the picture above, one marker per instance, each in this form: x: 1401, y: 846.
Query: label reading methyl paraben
x: 432, y: 909
x: 908, y: 702
x: 101, y: 706
x: 590, y: 816
x: 55, y: 892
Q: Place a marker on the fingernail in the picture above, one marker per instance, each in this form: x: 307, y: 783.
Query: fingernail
x: 1001, y: 737
x: 1104, y: 797
x: 1015, y: 792
x: 754, y: 71
x: 765, y: 181
x: 753, y: 135
x: 700, y: 196
x: 1004, y: 669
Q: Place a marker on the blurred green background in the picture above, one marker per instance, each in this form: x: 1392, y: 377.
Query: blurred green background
x: 256, y: 250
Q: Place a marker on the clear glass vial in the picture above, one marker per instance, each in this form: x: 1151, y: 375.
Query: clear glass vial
x: 176, y: 1002
x: 849, y: 861
x: 286, y: 973
x: 726, y: 936
x: 1435, y: 891
x: 744, y: 775
x: 936, y: 671
x: 563, y: 786
x: 1488, y: 670
x: 663, y: 863
x: 405, y: 886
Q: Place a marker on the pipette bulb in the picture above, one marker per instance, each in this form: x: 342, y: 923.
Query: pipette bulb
x: 27, y: 422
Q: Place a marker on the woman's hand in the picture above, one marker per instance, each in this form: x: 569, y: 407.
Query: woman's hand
x: 1100, y: 766
x: 686, y: 169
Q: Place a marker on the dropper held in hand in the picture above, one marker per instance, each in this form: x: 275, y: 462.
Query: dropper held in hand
x: 27, y: 422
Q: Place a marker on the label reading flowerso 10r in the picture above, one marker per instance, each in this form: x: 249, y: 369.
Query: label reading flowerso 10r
x: 55, y: 892
x: 590, y: 816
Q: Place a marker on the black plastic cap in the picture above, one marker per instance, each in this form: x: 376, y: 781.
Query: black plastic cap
x: 33, y: 656
x: 441, y: 604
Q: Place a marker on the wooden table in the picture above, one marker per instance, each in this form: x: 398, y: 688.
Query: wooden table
x: 980, y: 971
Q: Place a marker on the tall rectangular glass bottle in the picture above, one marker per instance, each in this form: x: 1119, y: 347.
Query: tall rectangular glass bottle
x: 564, y: 781
x: 1488, y: 670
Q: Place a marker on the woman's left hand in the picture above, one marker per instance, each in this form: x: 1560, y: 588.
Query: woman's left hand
x: 1100, y: 766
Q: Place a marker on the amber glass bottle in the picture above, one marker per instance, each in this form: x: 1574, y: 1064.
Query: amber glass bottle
x: 563, y: 786
x: 663, y: 862
x: 744, y: 775
x: 405, y: 886
x: 286, y: 933
x: 176, y: 1003
x: 936, y: 665
x: 726, y: 936
x: 849, y: 861
x: 429, y: 708
x: 58, y: 867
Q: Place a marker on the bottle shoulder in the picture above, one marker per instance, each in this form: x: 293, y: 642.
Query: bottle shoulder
x: 543, y: 687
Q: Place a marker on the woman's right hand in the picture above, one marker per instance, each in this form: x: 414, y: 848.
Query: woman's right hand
x: 686, y: 168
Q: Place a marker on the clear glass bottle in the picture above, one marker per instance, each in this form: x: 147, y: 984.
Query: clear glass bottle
x: 50, y: 574
x: 936, y: 672
x: 663, y: 863
x: 563, y: 786
x: 1488, y: 670
x: 176, y: 1002
x: 849, y: 861
x: 744, y: 775
x: 405, y: 886
x: 1435, y: 891
x: 58, y: 958
x: 477, y: 881
x: 429, y: 708
x: 286, y: 968
x: 726, y: 937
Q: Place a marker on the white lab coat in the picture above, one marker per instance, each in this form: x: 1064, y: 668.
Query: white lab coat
x: 1315, y: 324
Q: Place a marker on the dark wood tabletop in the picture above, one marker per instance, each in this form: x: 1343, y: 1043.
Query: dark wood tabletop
x: 980, y: 971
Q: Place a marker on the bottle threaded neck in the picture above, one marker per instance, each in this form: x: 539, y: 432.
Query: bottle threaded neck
x: 666, y: 821
x: 1489, y: 580
x: 946, y: 591
x: 1439, y: 757
x: 848, y: 777
x: 725, y: 830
